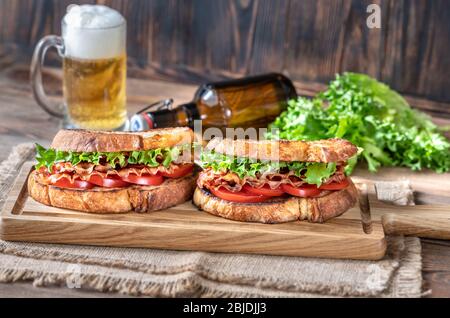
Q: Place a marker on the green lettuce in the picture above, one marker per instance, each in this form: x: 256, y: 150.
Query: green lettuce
x: 153, y: 158
x: 311, y: 172
x: 368, y: 113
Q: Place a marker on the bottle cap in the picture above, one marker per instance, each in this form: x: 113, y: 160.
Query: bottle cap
x: 141, y: 122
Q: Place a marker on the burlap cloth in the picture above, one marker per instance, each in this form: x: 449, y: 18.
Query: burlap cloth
x: 197, y: 274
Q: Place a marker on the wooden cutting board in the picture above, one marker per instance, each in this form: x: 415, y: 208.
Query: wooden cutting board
x: 185, y: 228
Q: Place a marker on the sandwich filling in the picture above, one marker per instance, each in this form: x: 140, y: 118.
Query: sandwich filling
x: 112, y: 169
x: 249, y: 180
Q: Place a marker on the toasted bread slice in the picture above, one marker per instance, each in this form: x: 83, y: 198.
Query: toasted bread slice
x: 106, y: 141
x: 114, y: 200
x: 279, y: 210
x: 327, y: 150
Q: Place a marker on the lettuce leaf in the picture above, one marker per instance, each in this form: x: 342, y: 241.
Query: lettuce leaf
x: 153, y: 158
x: 319, y: 172
x: 311, y: 172
x: 368, y: 113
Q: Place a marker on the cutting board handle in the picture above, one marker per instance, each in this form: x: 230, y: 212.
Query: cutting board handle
x: 418, y: 221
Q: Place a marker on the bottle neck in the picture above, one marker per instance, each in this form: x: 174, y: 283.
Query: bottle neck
x: 183, y: 115
x: 191, y: 112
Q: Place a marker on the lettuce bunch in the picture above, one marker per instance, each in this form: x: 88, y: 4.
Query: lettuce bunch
x: 368, y: 113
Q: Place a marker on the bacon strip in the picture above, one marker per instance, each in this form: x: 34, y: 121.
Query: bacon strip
x: 83, y: 171
x: 209, y: 179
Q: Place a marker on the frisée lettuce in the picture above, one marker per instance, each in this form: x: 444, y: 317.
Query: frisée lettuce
x: 369, y: 114
x: 153, y: 158
x: 310, y: 172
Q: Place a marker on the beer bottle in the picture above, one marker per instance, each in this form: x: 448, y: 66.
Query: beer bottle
x: 247, y: 102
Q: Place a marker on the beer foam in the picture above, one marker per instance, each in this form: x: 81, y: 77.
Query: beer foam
x: 94, y: 32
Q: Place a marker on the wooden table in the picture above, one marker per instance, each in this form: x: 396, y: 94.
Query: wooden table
x: 21, y: 120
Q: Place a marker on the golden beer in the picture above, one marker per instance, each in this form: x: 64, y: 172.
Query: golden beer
x: 95, y: 92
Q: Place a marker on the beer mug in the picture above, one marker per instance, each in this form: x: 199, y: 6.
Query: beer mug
x: 93, y: 49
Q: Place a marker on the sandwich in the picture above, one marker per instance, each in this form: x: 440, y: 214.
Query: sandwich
x: 115, y: 172
x: 276, y: 181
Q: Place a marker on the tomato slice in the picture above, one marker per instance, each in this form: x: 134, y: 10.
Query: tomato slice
x: 335, y: 185
x: 265, y: 190
x: 108, y: 182
x: 303, y: 191
x: 77, y: 184
x: 179, y: 171
x: 241, y: 196
x: 145, y: 179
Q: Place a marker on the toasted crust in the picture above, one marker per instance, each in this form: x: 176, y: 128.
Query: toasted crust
x: 327, y: 150
x: 106, y: 141
x: 279, y: 210
x: 114, y: 200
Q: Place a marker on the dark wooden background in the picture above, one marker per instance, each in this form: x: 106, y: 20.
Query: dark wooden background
x: 308, y: 40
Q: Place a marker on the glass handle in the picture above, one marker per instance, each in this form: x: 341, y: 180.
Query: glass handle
x: 36, y: 73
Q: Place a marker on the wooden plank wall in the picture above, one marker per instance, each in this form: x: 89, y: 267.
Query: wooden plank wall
x: 309, y: 40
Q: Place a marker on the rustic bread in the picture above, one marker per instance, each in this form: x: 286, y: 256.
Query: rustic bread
x: 114, y: 200
x: 106, y: 141
x: 278, y: 210
x: 327, y: 150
